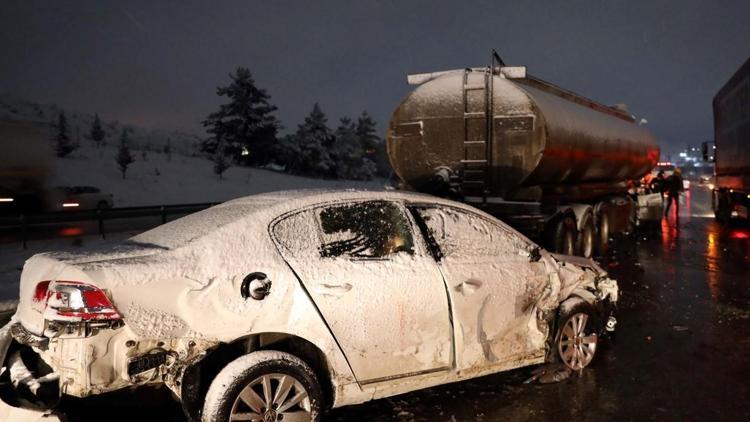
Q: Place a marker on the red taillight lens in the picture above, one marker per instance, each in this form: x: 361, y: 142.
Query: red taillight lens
x: 40, y: 294
x: 74, y: 301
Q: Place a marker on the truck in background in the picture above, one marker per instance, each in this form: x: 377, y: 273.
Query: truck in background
x: 25, y: 166
x: 730, y: 151
x: 551, y: 163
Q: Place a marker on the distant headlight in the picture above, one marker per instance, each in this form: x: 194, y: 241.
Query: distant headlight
x: 6, y: 199
x: 70, y: 204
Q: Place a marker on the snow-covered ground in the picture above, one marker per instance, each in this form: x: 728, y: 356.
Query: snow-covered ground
x: 158, y: 180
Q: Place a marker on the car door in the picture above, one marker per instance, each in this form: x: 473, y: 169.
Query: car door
x: 493, y: 286
x: 375, y: 285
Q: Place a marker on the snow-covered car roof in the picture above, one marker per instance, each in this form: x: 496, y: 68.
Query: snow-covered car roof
x: 263, y: 208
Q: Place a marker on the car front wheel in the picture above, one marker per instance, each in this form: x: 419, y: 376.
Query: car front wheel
x: 264, y: 386
x: 577, y: 338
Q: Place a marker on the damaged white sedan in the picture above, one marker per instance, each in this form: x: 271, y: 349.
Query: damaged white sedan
x: 278, y: 306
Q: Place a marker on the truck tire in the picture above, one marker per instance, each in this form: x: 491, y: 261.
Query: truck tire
x: 563, y: 237
x: 602, y: 233
x: 722, y: 212
x: 586, y: 237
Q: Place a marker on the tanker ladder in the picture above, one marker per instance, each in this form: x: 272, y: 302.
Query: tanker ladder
x: 477, y: 109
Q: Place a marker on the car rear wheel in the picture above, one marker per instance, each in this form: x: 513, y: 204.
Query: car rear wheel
x: 264, y: 386
x: 577, y: 339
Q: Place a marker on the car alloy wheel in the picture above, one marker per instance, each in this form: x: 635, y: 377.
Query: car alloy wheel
x: 576, y: 344
x: 264, y: 386
x: 272, y: 397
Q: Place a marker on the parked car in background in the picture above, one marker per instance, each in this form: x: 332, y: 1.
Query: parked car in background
x: 277, y: 306
x: 80, y: 198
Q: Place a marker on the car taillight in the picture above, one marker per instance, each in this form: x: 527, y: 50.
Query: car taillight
x: 74, y: 301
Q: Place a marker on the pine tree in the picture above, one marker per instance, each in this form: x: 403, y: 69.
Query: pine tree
x: 349, y: 155
x: 63, y: 144
x: 245, y: 124
x: 373, y: 146
x: 123, y: 158
x: 311, y: 145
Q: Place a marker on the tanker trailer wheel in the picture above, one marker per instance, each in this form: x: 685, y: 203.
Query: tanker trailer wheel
x: 586, y: 237
x: 722, y: 212
x: 563, y: 236
x: 601, y: 244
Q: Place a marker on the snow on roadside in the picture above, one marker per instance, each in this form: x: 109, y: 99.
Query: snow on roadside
x: 183, y: 179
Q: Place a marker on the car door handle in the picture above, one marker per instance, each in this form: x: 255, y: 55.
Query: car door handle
x: 333, y: 289
x: 256, y: 286
x: 468, y: 287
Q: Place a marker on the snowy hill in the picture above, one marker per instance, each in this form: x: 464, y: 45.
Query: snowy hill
x: 157, y: 180
x: 154, y: 178
x: 13, y: 108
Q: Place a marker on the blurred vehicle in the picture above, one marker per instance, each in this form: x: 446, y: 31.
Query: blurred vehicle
x: 705, y: 180
x: 730, y: 151
x: 80, y: 198
x: 663, y: 166
x: 25, y: 166
x: 276, y: 306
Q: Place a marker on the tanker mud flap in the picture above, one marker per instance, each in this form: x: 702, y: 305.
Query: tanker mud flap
x: 26, y: 381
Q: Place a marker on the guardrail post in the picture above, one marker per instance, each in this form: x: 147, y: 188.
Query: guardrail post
x: 163, y: 214
x: 100, y: 217
x: 22, y: 221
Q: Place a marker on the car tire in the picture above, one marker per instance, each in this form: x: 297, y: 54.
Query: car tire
x: 265, y: 383
x: 102, y: 205
x: 577, y: 339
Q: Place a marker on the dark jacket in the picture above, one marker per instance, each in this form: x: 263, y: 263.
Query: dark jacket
x: 657, y: 185
x: 674, y: 185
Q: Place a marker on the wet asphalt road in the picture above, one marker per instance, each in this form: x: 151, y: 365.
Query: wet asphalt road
x: 682, y: 350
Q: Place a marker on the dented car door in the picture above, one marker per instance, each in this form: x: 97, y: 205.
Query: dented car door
x: 493, y: 286
x: 375, y: 285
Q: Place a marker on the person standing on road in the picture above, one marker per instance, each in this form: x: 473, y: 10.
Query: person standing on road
x: 673, y: 187
x: 656, y: 185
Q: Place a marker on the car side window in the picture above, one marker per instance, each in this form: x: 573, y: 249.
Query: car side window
x: 297, y: 233
x: 376, y: 229
x: 461, y: 234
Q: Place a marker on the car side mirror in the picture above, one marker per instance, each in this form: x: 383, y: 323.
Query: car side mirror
x: 535, y: 254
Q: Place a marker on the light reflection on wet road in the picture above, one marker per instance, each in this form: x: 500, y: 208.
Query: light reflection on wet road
x: 682, y: 350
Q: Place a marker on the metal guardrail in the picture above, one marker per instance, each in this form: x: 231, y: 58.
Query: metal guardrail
x: 24, y: 221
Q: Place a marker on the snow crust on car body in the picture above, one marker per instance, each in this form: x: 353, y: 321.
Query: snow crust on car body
x: 178, y: 290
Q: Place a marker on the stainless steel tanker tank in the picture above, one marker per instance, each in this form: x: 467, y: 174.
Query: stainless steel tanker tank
x: 539, y: 140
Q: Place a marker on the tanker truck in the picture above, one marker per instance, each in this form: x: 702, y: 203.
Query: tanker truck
x: 730, y: 151
x: 553, y: 164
